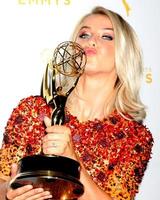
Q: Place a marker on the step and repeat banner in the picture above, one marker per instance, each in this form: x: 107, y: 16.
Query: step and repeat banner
x: 30, y: 30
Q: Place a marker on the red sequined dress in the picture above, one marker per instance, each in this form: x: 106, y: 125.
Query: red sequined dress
x: 114, y: 151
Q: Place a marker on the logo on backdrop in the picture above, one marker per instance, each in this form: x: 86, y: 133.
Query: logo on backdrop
x: 44, y: 2
x: 62, y: 2
x: 148, y: 77
x: 126, y: 6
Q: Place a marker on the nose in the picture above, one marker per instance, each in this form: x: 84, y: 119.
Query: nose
x: 93, y: 41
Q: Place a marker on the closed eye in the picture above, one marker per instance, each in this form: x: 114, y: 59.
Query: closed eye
x: 107, y: 37
x: 84, y: 35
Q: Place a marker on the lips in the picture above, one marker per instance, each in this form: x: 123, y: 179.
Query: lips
x: 90, y: 51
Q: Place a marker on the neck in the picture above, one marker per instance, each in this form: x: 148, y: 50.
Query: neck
x: 89, y: 98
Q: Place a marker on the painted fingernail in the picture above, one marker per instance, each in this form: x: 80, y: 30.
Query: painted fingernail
x: 29, y: 187
x: 49, y: 197
x: 47, y: 193
x: 39, y: 190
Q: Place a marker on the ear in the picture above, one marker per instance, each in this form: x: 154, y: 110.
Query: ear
x: 47, y: 121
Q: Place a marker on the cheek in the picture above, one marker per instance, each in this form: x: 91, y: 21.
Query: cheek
x: 80, y: 42
x: 77, y: 40
x: 107, y: 56
x: 108, y: 51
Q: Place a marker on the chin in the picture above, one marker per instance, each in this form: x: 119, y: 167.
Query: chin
x: 92, y: 72
x: 91, y: 66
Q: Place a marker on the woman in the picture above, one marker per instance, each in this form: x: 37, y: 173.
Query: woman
x: 104, y: 115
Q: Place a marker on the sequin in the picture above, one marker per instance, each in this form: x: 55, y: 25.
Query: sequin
x: 29, y: 148
x: 86, y: 156
x: 120, y: 135
x: 138, y: 148
x: 76, y: 138
x: 19, y: 119
x: 101, y: 176
x: 104, y: 143
x: 111, y: 166
x: 113, y: 120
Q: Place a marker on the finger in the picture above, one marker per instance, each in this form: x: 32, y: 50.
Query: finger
x: 58, y: 129
x: 37, y: 193
x: 14, y: 170
x: 56, y: 136
x: 14, y: 193
x: 41, y: 196
x: 55, y: 143
x: 57, y: 148
x: 47, y: 121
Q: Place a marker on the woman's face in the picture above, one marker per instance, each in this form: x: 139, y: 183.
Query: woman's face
x: 96, y: 36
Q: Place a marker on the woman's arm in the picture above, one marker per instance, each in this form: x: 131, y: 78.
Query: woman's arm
x: 3, y: 189
x: 91, y: 190
x: 24, y: 125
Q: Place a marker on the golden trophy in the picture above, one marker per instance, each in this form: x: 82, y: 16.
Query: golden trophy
x: 57, y: 174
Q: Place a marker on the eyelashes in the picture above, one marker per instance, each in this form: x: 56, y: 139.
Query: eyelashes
x: 84, y: 36
x: 88, y: 36
x: 107, y: 37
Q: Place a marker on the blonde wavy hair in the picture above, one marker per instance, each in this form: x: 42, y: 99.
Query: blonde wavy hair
x: 129, y: 67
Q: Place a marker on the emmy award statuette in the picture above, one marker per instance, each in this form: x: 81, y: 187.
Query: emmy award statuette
x: 57, y: 174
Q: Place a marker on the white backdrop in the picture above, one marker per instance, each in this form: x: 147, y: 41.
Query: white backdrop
x: 31, y: 29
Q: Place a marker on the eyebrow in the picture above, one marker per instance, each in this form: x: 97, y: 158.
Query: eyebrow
x: 88, y: 27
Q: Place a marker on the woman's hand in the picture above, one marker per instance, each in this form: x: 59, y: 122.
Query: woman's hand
x: 58, y: 140
x: 26, y: 192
